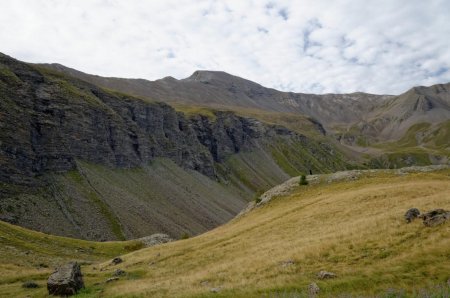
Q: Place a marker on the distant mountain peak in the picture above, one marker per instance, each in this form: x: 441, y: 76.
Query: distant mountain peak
x: 205, y: 76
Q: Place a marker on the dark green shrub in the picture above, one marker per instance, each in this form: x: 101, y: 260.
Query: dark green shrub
x: 30, y: 284
x: 303, y: 180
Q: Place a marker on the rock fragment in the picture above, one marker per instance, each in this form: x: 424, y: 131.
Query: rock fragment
x: 435, y: 217
x: 119, y: 272
x: 411, y: 214
x: 111, y: 279
x: 116, y: 261
x: 325, y: 275
x: 313, y: 289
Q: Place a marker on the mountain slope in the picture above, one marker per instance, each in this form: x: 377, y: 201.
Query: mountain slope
x: 353, y: 227
x: 418, y: 105
x: 221, y: 90
x: 360, y: 123
x: 64, y: 140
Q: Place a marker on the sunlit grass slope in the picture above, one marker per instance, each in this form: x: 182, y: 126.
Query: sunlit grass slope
x: 354, y: 229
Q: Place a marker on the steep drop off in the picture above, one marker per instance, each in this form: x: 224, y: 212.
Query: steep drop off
x: 67, y: 146
x: 358, y: 123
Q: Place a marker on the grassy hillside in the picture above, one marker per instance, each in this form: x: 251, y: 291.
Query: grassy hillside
x: 422, y: 144
x: 29, y: 255
x: 352, y: 228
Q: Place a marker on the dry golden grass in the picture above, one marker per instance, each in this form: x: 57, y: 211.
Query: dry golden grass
x: 355, y: 229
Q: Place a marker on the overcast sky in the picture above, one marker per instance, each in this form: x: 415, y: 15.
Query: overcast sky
x: 377, y: 46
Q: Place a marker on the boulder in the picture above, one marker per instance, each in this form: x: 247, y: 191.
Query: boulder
x: 66, y: 280
x: 116, y: 261
x: 313, y: 289
x: 411, y: 214
x: 119, y: 272
x: 435, y: 217
x: 325, y: 275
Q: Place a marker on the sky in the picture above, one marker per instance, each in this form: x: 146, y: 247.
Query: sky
x: 340, y: 46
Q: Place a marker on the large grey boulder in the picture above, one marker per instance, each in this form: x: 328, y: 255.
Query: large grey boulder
x: 435, y: 217
x: 66, y: 280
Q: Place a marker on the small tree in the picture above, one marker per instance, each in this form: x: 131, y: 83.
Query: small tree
x: 303, y: 180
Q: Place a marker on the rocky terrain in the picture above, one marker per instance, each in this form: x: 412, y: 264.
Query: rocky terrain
x: 183, y: 156
x: 73, y: 154
x: 386, y: 130
x: 374, y: 233
x: 288, y: 186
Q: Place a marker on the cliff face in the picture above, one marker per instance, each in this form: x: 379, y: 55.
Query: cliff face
x: 50, y: 123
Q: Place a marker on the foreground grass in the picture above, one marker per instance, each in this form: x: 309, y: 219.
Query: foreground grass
x: 29, y: 255
x: 354, y: 229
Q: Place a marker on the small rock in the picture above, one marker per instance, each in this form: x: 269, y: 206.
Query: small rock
x: 411, y: 214
x: 30, y: 284
x: 435, y: 217
x: 325, y: 275
x: 119, y: 272
x: 287, y: 263
x: 204, y: 283
x: 66, y: 280
x: 116, y: 261
x: 313, y: 289
x: 112, y: 279
x: 214, y: 290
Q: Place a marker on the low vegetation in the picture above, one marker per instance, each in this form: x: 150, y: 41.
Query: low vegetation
x: 352, y: 228
x: 28, y: 257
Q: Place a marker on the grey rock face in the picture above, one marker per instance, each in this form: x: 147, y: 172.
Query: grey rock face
x: 411, y: 214
x: 66, y: 280
x: 435, y: 217
x: 49, y: 122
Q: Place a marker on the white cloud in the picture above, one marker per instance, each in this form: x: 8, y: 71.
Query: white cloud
x: 384, y: 46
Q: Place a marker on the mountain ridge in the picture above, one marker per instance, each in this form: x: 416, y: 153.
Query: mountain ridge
x: 65, y: 143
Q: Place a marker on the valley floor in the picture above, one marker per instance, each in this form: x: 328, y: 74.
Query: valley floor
x: 353, y: 227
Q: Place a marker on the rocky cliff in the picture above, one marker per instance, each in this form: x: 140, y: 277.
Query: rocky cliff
x: 51, y: 124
